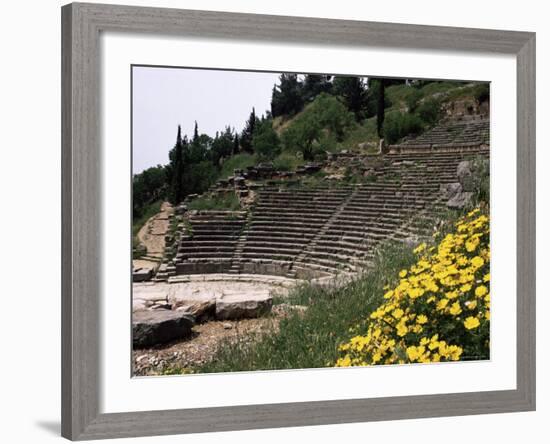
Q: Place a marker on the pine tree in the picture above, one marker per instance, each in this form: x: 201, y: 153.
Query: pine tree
x: 315, y: 84
x: 352, y: 90
x: 287, y: 97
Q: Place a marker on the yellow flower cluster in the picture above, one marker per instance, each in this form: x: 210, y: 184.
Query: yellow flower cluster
x: 440, y: 308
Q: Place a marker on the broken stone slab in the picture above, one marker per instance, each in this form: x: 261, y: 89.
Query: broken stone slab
x: 201, y: 311
x: 142, y: 274
x: 153, y: 327
x: 451, y: 189
x: 238, y: 307
x: 460, y: 200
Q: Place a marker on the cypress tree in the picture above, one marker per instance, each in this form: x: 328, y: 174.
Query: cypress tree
x: 380, y: 107
x: 177, y: 180
x: 248, y: 132
x: 236, y: 144
x: 196, y: 133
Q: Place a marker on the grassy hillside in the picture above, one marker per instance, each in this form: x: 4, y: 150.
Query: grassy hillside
x: 418, y: 105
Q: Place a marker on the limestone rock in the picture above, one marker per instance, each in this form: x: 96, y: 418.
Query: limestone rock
x: 465, y: 175
x: 142, y: 274
x: 201, y: 311
x: 152, y: 327
x: 460, y: 200
x: 287, y: 309
x: 238, y: 307
x: 451, y: 189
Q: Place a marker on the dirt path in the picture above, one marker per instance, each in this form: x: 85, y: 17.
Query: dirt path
x: 151, y: 235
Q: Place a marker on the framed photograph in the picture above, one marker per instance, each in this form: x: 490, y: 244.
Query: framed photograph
x: 284, y: 221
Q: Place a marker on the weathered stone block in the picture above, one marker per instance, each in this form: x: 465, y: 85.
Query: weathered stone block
x: 142, y: 274
x: 239, y: 307
x: 465, y: 175
x: 460, y: 200
x: 151, y: 327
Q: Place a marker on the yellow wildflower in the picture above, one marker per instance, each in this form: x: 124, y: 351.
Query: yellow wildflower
x: 421, y: 319
x: 455, y: 309
x: 477, y: 262
x: 471, y: 322
x: 397, y: 313
x: 481, y: 291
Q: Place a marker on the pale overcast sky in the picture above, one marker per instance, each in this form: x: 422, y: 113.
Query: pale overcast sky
x: 166, y: 97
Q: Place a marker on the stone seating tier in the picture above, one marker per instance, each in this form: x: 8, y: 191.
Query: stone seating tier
x: 324, y: 230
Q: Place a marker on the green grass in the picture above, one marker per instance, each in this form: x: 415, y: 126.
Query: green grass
x: 228, y: 202
x: 287, y: 161
x: 311, y: 340
x: 239, y: 161
x: 398, y: 94
x: 365, y: 132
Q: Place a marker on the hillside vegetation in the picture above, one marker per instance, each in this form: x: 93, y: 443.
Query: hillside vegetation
x: 310, y: 115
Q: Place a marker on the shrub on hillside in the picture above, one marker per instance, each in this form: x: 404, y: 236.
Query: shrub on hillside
x: 412, y: 99
x: 439, y: 310
x: 429, y: 111
x: 481, y: 92
x: 398, y: 125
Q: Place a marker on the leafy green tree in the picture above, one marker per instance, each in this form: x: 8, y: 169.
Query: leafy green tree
x: 332, y: 115
x: 266, y: 141
x: 301, y: 135
x: 199, y: 147
x: 200, y: 176
x: 398, y: 125
x: 319, y: 127
x: 222, y: 146
x: 148, y: 187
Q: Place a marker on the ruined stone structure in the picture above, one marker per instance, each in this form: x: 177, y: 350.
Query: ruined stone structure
x: 323, y: 230
x: 335, y: 227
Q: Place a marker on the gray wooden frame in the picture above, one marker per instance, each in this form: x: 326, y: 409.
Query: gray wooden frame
x: 81, y: 167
